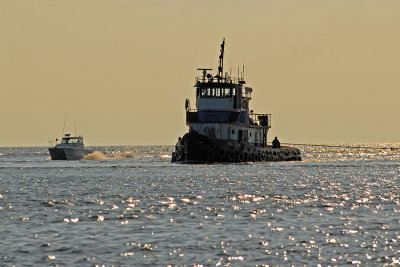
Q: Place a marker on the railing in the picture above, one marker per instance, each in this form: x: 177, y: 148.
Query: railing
x: 52, y: 143
x: 260, y: 119
x: 194, y: 115
x: 201, y: 79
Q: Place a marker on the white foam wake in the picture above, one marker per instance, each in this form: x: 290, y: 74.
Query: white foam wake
x: 97, y: 155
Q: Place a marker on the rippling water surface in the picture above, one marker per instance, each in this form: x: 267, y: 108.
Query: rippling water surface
x: 131, y: 206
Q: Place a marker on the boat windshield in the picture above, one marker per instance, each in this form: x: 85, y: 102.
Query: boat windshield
x: 72, y: 141
x: 215, y: 92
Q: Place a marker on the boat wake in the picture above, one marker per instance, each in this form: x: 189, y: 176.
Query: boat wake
x: 97, y: 155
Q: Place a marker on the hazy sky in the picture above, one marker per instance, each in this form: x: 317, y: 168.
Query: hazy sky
x: 327, y: 71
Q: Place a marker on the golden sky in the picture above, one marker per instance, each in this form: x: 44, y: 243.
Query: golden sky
x: 327, y: 71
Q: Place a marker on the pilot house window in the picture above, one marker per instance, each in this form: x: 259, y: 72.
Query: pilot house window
x: 214, y: 92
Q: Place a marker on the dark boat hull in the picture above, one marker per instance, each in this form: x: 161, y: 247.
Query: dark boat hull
x: 57, y: 153
x: 197, y: 148
x: 68, y: 153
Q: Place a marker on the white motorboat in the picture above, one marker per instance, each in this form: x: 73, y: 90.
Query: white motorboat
x: 69, y: 148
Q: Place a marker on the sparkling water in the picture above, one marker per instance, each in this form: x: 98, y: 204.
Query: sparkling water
x: 131, y: 206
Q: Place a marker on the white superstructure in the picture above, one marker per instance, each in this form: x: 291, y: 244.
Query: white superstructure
x: 222, y: 109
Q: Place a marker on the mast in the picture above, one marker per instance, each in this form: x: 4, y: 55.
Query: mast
x: 221, y: 61
x: 65, y: 118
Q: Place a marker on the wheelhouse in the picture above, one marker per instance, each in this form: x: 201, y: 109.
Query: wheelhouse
x: 67, y: 139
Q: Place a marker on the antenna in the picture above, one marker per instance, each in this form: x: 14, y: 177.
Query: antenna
x: 221, y: 61
x: 65, y: 119
x: 75, y: 125
x: 204, y: 72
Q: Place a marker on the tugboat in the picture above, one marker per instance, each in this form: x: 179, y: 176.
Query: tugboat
x: 222, y: 128
x: 70, y: 148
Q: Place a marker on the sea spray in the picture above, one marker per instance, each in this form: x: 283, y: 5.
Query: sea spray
x: 97, y: 155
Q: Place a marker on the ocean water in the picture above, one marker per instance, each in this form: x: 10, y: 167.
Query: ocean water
x: 130, y: 206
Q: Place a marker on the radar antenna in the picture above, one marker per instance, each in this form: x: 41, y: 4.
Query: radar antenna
x: 221, y: 61
x: 204, y: 72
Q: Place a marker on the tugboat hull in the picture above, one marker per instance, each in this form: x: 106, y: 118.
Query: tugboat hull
x: 197, y: 148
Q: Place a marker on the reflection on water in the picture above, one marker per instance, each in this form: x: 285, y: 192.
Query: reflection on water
x: 338, y: 206
x: 374, y: 151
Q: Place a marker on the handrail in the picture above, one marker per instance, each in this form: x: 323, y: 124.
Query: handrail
x: 53, y: 142
x: 235, y: 80
x: 258, y: 119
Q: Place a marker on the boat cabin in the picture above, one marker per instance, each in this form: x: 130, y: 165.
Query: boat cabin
x: 68, y: 139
